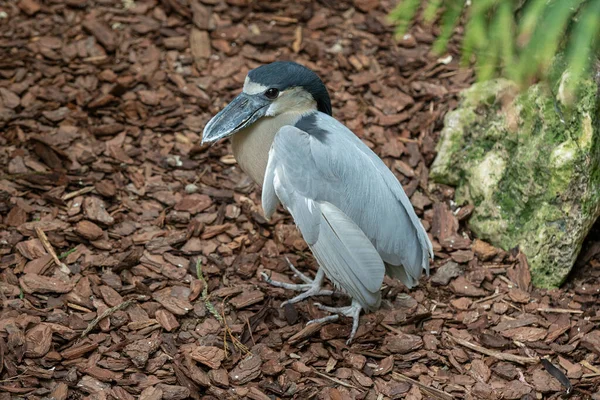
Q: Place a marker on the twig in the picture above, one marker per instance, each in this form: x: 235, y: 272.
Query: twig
x: 339, y: 382
x: 508, y: 281
x: 491, y: 297
x: 433, y: 392
x: 105, y: 314
x: 69, y: 196
x: 589, y: 366
x: 46, y: 243
x: 12, y: 378
x: 496, y: 354
x: 560, y: 311
x: 250, y: 330
x: 392, y: 329
x: 510, y: 305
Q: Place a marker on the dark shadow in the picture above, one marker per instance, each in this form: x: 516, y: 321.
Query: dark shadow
x: 590, y: 250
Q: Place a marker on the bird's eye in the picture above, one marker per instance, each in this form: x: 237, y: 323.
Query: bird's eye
x: 272, y: 93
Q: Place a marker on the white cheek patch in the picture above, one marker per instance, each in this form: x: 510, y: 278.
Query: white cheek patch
x: 253, y: 87
x: 295, y: 99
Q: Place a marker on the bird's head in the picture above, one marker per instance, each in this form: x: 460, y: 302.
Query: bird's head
x: 270, y: 90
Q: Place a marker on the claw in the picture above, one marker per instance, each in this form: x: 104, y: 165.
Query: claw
x: 311, y: 287
x: 352, y: 311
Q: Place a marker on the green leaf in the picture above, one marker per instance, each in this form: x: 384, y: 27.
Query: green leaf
x: 584, y: 42
x: 517, y: 39
x: 403, y: 14
x: 531, y: 16
x: 545, y: 39
x: 449, y: 21
x: 506, y: 32
x: 431, y: 10
x: 476, y: 39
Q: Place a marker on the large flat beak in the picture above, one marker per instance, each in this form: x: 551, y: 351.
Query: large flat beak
x: 243, y: 111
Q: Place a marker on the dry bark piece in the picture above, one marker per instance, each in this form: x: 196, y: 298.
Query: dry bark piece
x: 88, y: 230
x: 92, y: 385
x: 34, y: 283
x: 106, y: 188
x: 78, y: 350
x: 219, y: 377
x: 544, y: 382
x: 248, y: 369
x: 95, y: 210
x: 522, y: 320
x: 167, y: 320
x: 210, y: 356
x: 38, y: 341
x: 591, y: 341
x: 462, y: 256
x: 385, y: 366
x: 520, y: 273
x: 101, y: 32
x: 200, y: 44
x: 483, y: 250
x: 519, y: 296
x: 173, y: 392
x: 151, y: 393
x: 174, y: 299
x: 29, y: 7
x: 196, y: 373
x: 31, y: 249
x: 445, y: 273
x: 110, y: 296
x: 480, y: 370
x: 16, y: 216
x: 505, y: 370
x: 140, y: 350
x: 247, y: 298
x: 461, y: 286
x: 515, y: 390
x: 403, y: 343
x: 60, y: 391
x: 107, y: 129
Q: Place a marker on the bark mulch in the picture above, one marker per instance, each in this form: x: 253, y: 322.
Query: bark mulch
x: 130, y: 255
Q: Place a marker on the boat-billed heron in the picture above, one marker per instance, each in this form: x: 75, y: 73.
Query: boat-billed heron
x: 348, y: 205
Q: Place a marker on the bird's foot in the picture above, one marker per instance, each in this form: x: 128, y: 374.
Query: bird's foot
x: 310, y: 287
x: 352, y: 311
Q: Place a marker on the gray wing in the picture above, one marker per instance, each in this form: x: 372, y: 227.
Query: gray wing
x: 346, y: 254
x: 336, y: 167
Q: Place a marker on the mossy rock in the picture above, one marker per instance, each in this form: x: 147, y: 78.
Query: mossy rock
x: 531, y: 166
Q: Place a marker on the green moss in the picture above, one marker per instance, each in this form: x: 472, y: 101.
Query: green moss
x: 531, y: 167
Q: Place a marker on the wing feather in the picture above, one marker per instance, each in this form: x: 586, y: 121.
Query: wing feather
x: 304, y: 172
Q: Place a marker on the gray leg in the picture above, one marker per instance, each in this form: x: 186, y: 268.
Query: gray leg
x: 352, y: 311
x: 310, y: 287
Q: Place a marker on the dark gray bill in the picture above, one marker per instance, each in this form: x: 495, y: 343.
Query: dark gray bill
x: 243, y: 111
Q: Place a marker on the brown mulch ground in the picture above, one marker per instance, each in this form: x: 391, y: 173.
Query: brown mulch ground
x: 131, y: 255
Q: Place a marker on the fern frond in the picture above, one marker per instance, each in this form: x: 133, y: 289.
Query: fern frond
x: 517, y: 39
x: 542, y: 47
x: 431, y: 10
x: 403, y: 14
x: 449, y: 21
x: 584, y: 44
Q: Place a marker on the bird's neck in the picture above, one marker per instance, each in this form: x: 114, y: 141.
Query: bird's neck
x: 251, y: 145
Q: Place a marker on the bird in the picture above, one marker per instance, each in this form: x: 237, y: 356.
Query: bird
x: 349, y: 207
